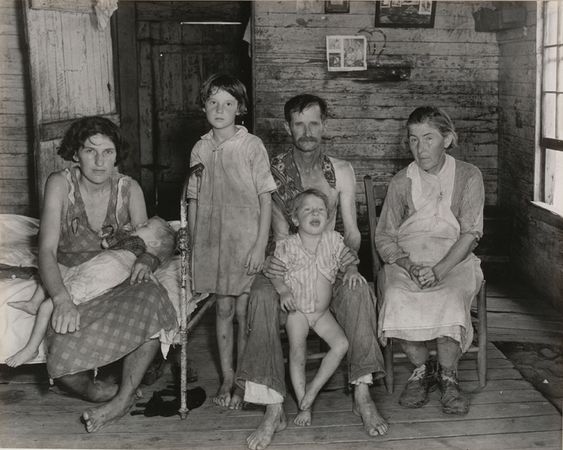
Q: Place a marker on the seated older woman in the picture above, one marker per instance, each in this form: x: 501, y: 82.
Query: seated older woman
x: 430, y: 223
x: 82, y: 205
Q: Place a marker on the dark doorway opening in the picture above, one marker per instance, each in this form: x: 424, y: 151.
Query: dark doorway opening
x: 165, y: 51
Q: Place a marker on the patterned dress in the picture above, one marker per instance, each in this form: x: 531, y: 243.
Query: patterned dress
x: 117, y: 322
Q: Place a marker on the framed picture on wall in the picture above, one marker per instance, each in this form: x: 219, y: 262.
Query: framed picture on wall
x: 337, y: 6
x: 346, y: 53
x: 405, y: 13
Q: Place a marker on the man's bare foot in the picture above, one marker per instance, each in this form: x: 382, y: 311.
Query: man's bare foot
x: 274, y: 420
x: 24, y: 355
x: 303, y: 418
x: 96, y: 418
x: 27, y: 306
x: 364, y: 407
x: 237, y: 398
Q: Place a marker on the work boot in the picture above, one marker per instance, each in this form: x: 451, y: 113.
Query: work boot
x: 421, y: 382
x: 453, y: 400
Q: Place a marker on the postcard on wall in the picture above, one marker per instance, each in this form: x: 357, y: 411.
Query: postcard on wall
x: 346, y: 53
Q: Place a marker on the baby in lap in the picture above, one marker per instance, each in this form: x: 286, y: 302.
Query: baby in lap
x: 96, y: 276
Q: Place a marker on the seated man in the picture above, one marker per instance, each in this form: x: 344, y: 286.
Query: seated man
x: 261, y: 373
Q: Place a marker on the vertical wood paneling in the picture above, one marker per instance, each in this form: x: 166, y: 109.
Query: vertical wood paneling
x: 536, y: 248
x: 16, y: 175
x: 452, y: 66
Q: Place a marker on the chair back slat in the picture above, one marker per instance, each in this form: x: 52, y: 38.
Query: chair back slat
x: 375, y: 194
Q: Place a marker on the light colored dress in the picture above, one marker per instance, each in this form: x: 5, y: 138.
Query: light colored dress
x: 303, y: 266
x: 228, y: 213
x: 422, y: 218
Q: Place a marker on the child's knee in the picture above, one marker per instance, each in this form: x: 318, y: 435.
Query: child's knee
x: 341, y: 347
x: 225, y: 310
x: 46, y: 307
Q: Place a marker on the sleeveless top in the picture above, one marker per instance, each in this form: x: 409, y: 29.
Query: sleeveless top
x: 78, y: 242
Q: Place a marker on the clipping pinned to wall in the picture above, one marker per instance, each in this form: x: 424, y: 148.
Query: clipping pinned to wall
x: 346, y: 53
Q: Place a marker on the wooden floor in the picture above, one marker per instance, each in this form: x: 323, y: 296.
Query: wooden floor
x: 508, y: 414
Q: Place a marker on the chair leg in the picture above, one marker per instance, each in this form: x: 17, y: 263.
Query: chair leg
x: 482, y: 337
x: 388, y: 356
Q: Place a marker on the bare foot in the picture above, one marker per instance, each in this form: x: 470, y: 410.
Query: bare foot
x: 364, y: 407
x: 21, y: 357
x: 306, y: 402
x: 223, y: 397
x: 303, y: 418
x: 96, y: 418
x: 27, y: 306
x: 102, y: 391
x: 237, y: 398
x: 274, y: 420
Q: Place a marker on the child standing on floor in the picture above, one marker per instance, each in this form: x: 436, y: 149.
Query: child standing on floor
x: 312, y: 259
x: 229, y: 218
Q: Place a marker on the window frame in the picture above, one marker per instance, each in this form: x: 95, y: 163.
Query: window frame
x: 545, y: 144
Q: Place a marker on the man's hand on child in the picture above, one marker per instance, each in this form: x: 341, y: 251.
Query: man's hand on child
x: 274, y: 267
x: 353, y: 278
x: 286, y: 302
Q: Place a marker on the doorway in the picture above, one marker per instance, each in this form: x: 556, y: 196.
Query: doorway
x: 165, y: 51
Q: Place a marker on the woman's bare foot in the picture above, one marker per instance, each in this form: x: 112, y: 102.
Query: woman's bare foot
x: 237, y: 398
x: 96, y: 418
x: 364, y: 407
x: 274, y: 420
x: 27, y: 306
x: 24, y: 355
x: 303, y: 418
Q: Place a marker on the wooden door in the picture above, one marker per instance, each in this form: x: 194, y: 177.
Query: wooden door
x: 71, y: 69
x: 174, y: 59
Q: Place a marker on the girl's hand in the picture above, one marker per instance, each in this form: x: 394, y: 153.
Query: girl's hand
x: 414, y: 270
x: 353, y: 277
x: 426, y: 277
x: 65, y: 317
x: 286, y: 302
x: 255, y: 260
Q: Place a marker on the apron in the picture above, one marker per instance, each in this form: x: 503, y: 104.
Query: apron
x: 415, y: 314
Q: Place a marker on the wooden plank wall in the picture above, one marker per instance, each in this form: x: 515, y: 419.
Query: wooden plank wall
x: 536, y: 248
x: 16, y: 180
x: 452, y: 66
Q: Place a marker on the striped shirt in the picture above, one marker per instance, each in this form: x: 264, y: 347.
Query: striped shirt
x: 303, y: 266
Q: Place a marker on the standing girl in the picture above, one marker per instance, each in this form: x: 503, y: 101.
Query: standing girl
x: 229, y: 218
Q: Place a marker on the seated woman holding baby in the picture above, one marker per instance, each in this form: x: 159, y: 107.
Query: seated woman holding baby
x: 85, y: 205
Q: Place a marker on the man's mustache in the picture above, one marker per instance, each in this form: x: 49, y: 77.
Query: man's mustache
x: 307, y: 139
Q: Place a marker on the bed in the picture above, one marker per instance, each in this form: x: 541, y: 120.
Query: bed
x: 18, y: 250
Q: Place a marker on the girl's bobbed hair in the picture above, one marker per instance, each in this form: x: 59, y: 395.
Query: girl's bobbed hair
x: 82, y: 129
x: 437, y: 118
x: 226, y: 83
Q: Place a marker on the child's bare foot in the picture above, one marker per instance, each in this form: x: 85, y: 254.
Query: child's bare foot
x: 96, y: 418
x: 27, y: 306
x: 303, y: 418
x: 223, y: 397
x: 237, y: 398
x: 307, y: 401
x: 21, y: 357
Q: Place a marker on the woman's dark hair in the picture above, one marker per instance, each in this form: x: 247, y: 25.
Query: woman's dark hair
x: 228, y: 84
x: 300, y: 198
x: 82, y: 129
x: 301, y: 102
x: 436, y: 117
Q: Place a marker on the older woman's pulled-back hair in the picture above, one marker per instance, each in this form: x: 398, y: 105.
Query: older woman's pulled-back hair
x: 83, y: 129
x: 435, y: 117
x: 228, y: 84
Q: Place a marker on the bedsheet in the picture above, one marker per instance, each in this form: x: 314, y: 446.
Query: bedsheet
x: 18, y: 247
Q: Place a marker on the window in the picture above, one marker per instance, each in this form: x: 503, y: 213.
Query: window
x: 550, y: 153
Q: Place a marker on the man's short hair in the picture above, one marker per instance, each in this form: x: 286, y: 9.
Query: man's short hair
x: 301, y: 102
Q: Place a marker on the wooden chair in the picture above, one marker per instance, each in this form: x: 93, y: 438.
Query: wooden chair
x: 375, y: 194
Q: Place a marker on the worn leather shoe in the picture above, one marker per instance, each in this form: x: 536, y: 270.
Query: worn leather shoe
x: 421, y: 382
x: 453, y: 400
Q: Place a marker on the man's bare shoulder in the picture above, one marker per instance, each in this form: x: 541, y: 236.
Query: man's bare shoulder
x: 343, y: 170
